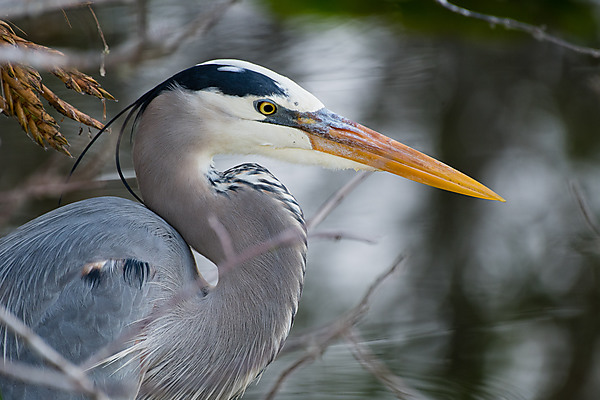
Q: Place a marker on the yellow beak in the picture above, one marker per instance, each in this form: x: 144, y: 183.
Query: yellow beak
x: 333, y: 134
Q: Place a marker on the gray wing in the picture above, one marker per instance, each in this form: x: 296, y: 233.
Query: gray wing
x: 81, y: 274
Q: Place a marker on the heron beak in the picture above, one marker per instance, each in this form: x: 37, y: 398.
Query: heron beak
x: 333, y: 134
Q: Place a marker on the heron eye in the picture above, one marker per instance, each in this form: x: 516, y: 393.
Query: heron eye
x: 266, y: 107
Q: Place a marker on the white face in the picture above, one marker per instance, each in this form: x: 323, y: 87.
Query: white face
x: 235, y: 125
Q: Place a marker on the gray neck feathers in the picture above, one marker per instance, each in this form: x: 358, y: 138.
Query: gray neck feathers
x: 216, y: 343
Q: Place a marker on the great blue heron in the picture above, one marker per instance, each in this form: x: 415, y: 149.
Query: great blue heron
x: 82, y: 274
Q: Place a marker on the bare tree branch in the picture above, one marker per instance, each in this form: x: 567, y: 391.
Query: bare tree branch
x: 537, y: 32
x: 148, y: 45
x: 316, y: 342
x: 49, y: 181
x: 336, y: 329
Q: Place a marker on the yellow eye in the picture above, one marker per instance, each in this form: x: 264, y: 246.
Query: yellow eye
x: 266, y: 107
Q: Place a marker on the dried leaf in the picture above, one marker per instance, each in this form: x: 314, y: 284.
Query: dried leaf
x: 34, y: 131
x: 81, y: 83
x: 20, y: 114
x: 22, y: 88
x: 6, y: 92
x: 68, y: 110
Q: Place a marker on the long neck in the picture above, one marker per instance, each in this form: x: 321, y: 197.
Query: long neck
x: 242, y: 323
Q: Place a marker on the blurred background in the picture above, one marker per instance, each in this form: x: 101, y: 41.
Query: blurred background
x: 493, y: 301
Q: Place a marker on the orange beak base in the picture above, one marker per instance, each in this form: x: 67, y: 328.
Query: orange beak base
x: 333, y: 134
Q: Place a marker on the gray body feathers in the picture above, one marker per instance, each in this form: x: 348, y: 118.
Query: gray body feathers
x: 82, y: 274
x: 43, y: 282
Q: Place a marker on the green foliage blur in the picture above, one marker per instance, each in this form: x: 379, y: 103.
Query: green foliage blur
x: 574, y: 18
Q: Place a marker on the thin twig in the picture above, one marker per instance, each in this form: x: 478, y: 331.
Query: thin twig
x: 111, y: 350
x: 316, y: 342
x: 336, y: 199
x: 150, y: 46
x: 106, y: 50
x: 48, y: 181
x: 585, y: 209
x: 223, y: 235
x: 308, y: 357
x: 28, y: 8
x: 288, y: 237
x: 141, y: 7
x: 36, y: 375
x: 335, y: 329
x: 71, y: 372
x: 537, y: 32
x: 54, y: 186
x: 37, y: 58
x: 197, y: 27
x: 380, y: 279
x: 338, y: 235
x: 378, y: 369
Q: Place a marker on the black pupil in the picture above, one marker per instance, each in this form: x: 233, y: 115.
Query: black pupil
x: 268, y: 108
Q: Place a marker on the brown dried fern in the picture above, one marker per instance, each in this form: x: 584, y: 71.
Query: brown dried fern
x: 21, y: 87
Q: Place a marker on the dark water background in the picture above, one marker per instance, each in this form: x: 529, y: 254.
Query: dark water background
x: 494, y: 301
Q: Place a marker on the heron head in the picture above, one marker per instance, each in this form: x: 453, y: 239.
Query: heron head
x: 248, y: 109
